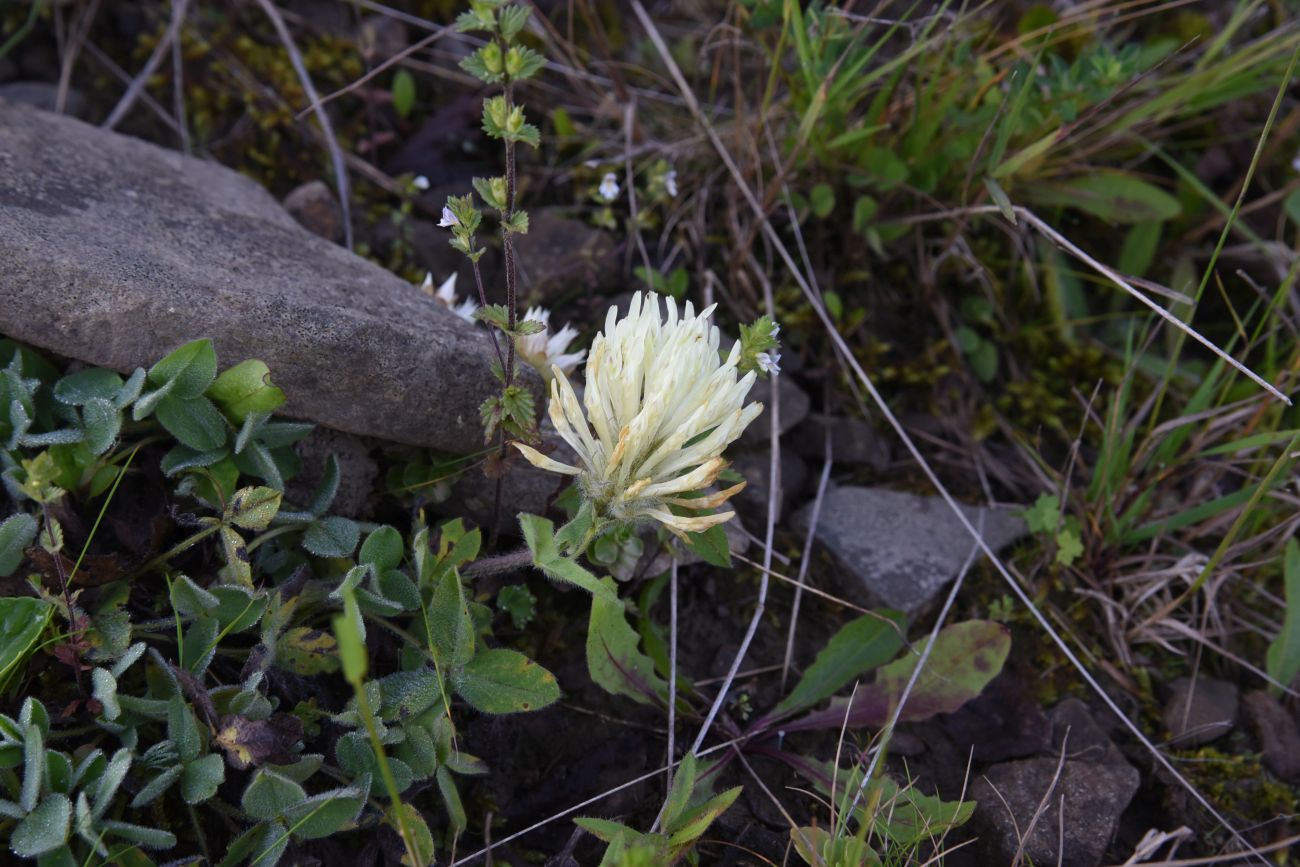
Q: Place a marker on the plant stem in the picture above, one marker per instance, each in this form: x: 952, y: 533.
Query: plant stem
x: 482, y: 300
x: 180, y: 548
x: 385, y: 771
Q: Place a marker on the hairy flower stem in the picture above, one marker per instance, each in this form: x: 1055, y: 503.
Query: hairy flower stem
x: 482, y: 300
x: 508, y: 249
x: 500, y: 564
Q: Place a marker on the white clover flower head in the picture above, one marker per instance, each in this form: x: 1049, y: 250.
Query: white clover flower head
x: 546, y: 351
x: 448, y: 218
x: 769, y: 362
x: 658, y: 411
x: 446, y: 296
x: 421, y: 182
x: 608, y: 190
x: 670, y: 183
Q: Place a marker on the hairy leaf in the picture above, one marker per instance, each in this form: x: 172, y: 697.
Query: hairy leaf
x: 502, y: 681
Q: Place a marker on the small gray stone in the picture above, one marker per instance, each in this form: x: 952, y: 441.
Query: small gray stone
x: 900, y: 550
x: 756, y: 468
x: 794, y: 409
x: 314, y: 207
x: 43, y: 95
x: 116, y: 251
x: 1277, y: 733
x: 1076, y: 827
x: 1199, y: 711
x: 853, y: 441
x: 1075, y: 730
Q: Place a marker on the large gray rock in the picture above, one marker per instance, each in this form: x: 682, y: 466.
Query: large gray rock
x: 1082, y: 810
x: 116, y: 251
x: 900, y: 550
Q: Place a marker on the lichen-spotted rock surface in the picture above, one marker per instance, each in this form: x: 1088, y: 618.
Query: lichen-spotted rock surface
x: 115, y: 251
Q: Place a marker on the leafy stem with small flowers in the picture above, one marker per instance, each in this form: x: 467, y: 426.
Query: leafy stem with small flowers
x: 503, y: 61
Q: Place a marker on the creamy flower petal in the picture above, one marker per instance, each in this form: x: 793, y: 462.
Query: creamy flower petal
x: 658, y: 410
x: 541, y: 461
x: 712, y: 501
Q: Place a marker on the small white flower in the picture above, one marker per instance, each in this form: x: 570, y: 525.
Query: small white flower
x: 446, y: 296
x: 421, y: 182
x: 448, y: 218
x: 546, y: 351
x: 776, y: 329
x: 769, y: 362
x: 608, y: 187
x: 658, y: 410
x: 670, y: 183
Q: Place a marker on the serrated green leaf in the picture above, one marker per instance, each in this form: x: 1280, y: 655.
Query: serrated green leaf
x: 516, y: 601
x: 512, y: 20
x: 1068, y: 547
x: 517, y: 223
x: 190, y: 369
x: 501, y: 681
x: 1043, y: 516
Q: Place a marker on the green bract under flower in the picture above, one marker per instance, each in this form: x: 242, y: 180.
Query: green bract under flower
x: 659, y: 410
